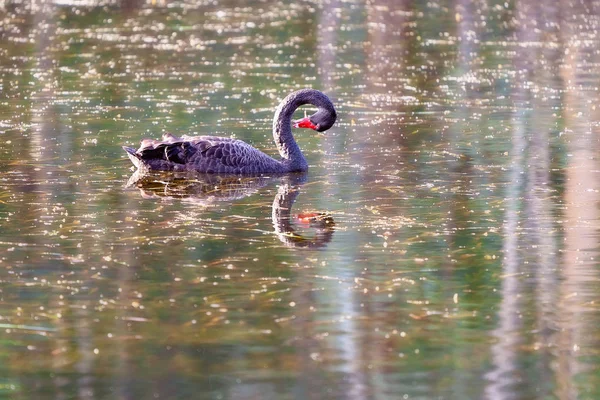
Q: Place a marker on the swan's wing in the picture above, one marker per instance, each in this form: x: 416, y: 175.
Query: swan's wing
x: 223, y: 154
x: 202, y: 149
x: 207, y: 154
x: 177, y: 152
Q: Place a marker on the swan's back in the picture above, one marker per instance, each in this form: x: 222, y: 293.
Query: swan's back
x: 208, y: 154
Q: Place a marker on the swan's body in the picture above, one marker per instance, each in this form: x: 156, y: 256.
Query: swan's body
x: 210, y: 154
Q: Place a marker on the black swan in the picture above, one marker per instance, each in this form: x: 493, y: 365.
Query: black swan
x: 209, y: 154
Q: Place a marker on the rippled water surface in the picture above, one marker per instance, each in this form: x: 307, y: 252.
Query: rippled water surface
x: 443, y: 244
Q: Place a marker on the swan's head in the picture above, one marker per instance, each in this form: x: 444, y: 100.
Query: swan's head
x: 319, y: 121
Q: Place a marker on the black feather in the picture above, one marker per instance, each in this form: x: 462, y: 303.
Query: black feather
x: 178, y: 152
x: 175, y: 153
x: 153, y: 153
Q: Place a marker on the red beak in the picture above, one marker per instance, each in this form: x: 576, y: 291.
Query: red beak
x: 304, y: 123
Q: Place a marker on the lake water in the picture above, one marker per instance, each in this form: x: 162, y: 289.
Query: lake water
x: 454, y: 253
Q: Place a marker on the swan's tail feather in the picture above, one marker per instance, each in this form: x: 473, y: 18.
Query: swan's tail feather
x: 135, y: 158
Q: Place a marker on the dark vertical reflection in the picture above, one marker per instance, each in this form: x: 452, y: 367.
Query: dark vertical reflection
x: 468, y: 34
x: 530, y: 208
x: 328, y: 29
x: 122, y: 369
x: 461, y: 173
x: 577, y: 339
x: 345, y: 350
x: 47, y: 143
x: 507, y: 338
x: 379, y: 89
x: 386, y: 79
x: 50, y: 147
x: 541, y: 198
x: 307, y: 348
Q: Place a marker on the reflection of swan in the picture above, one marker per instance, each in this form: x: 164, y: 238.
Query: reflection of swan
x: 281, y: 215
x: 207, y: 189
x: 203, y: 189
x: 210, y: 154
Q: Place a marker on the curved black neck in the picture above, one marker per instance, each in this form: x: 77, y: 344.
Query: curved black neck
x: 282, y: 126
